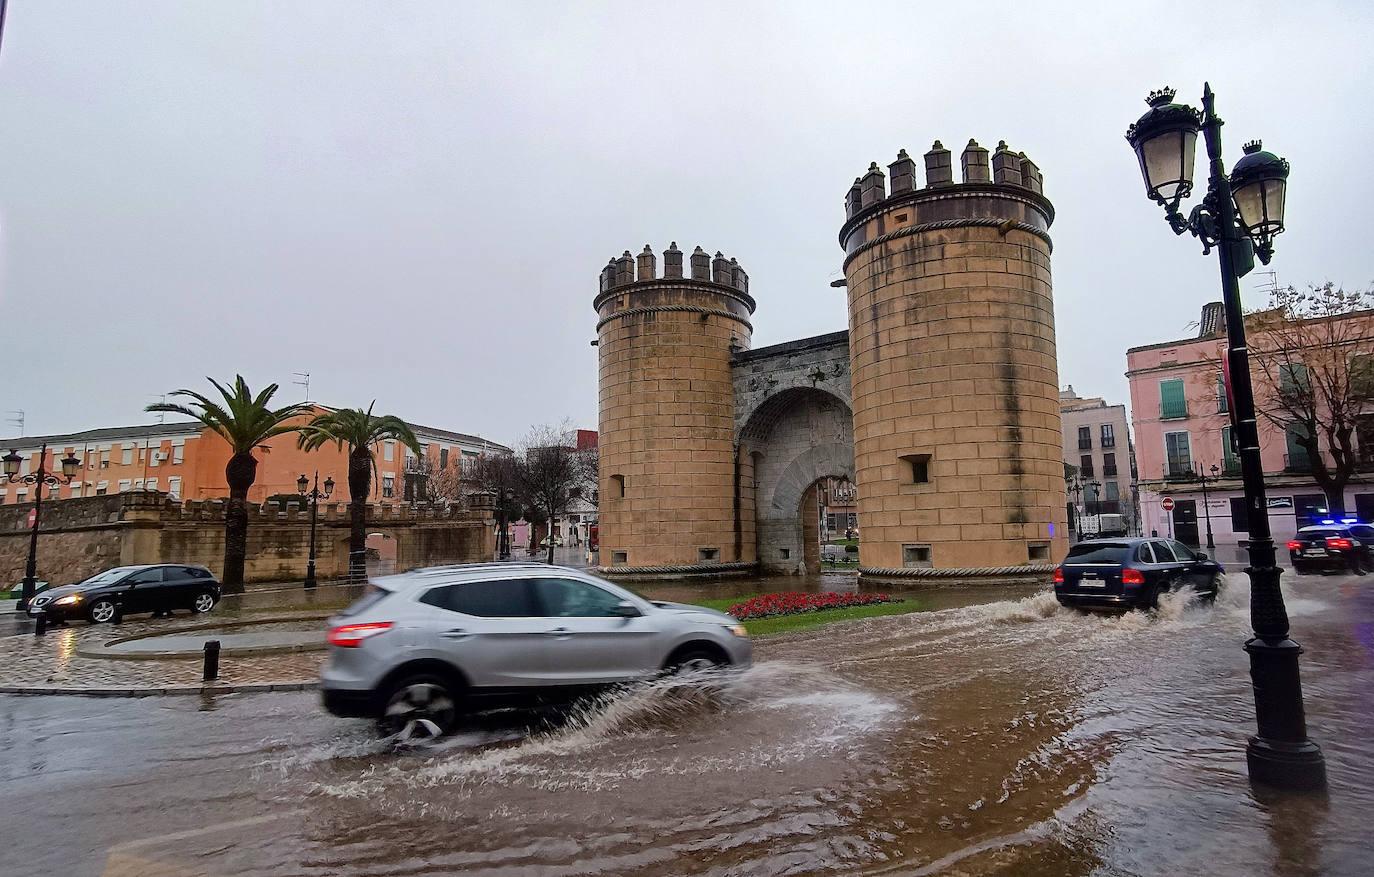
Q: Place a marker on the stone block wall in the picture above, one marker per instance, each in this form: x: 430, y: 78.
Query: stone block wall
x: 954, y: 372
x: 668, y: 475
x: 80, y: 537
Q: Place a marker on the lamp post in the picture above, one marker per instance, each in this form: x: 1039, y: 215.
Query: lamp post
x: 1206, y: 505
x: 503, y: 500
x: 39, y: 480
x: 1239, y: 216
x: 1076, y: 485
x: 1096, y: 498
x: 314, y: 495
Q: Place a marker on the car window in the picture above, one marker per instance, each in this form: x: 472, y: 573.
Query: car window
x: 147, y: 577
x: 106, y: 577
x: 1181, y: 551
x: 1319, y: 533
x: 1099, y: 552
x: 1363, y: 531
x: 1145, y: 554
x: 501, y: 598
x: 1163, y: 553
x: 566, y: 598
x: 192, y: 572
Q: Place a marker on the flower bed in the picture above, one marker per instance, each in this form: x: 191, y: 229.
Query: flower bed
x: 795, y: 603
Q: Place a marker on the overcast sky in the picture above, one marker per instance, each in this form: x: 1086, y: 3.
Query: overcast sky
x: 412, y: 200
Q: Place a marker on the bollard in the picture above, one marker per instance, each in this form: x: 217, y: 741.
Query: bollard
x: 40, y: 623
x: 211, y: 661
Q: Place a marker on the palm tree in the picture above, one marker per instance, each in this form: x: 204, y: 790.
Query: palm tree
x: 360, y: 431
x: 245, y: 421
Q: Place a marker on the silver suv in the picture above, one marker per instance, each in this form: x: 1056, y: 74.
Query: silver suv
x: 417, y: 650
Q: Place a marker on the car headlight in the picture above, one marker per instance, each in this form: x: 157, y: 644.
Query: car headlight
x: 67, y: 600
x: 737, y: 629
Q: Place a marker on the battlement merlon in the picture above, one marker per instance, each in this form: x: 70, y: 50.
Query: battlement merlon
x: 1002, y: 184
x: 699, y: 269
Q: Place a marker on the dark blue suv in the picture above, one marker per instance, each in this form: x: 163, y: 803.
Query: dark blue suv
x: 1124, y: 574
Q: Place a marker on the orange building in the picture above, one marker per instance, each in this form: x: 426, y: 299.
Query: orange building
x: 187, y: 461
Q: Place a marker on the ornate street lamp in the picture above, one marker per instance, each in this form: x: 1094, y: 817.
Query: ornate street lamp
x: 314, y: 495
x: 1206, y: 504
x: 1096, y: 499
x: 503, y: 501
x: 12, y: 462
x: 1164, y: 140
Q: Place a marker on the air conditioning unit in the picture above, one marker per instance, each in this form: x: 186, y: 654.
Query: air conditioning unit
x: 160, y: 456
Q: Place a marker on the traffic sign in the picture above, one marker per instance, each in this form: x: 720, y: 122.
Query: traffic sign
x: 1167, y: 504
x: 33, y: 518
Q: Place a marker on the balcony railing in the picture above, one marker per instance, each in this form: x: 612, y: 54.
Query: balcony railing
x: 1179, y: 470
x: 1108, y: 471
x: 1086, y: 471
x: 1109, y: 441
x: 1085, y: 444
x: 1297, y: 463
x: 1230, y: 467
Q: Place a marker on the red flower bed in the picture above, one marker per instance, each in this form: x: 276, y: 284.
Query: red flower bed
x: 795, y: 603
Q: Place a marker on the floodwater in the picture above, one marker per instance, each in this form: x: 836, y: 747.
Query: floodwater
x: 988, y: 738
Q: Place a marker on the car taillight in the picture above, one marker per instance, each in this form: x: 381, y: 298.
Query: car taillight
x: 1338, y: 542
x: 1059, y: 575
x: 350, y: 636
x: 1294, y: 545
x: 1132, y: 577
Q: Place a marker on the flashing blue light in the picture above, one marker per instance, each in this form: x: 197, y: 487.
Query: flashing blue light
x: 1328, y: 521
x: 1350, y: 520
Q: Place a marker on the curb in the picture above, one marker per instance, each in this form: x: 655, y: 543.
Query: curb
x: 152, y: 691
x: 98, y: 651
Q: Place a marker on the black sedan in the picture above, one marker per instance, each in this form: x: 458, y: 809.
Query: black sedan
x: 110, y: 595
x: 1124, y: 574
x: 1332, y: 547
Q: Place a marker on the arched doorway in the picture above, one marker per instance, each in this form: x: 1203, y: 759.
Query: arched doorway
x: 792, y: 441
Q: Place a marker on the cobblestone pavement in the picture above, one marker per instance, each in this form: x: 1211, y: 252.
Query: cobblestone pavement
x: 51, y: 660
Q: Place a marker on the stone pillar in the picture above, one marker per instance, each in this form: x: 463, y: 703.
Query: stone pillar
x: 957, y: 442
x: 667, y: 477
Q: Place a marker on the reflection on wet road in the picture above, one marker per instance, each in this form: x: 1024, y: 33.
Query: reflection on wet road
x: 1008, y: 737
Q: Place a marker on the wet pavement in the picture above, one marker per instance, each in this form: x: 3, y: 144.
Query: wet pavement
x: 997, y: 737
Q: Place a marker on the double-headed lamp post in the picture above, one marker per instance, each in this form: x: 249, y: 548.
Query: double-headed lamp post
x: 12, y: 461
x: 503, y: 500
x: 1239, y: 216
x: 1206, y: 501
x: 314, y: 494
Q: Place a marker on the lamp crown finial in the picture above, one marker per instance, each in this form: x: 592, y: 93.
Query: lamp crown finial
x: 1252, y: 147
x: 1161, y: 97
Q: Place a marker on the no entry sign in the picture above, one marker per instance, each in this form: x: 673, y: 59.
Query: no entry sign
x: 1167, y: 504
x: 33, y: 517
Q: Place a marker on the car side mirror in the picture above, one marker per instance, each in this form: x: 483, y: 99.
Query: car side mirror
x: 1200, y: 555
x: 626, y: 609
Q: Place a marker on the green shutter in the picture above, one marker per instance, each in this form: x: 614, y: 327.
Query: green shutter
x: 1230, y: 462
x: 1222, y: 406
x: 1172, y: 404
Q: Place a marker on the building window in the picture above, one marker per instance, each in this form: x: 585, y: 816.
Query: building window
x: 104, y: 459
x: 1293, y: 381
x: 178, y: 452
x: 785, y: 553
x: 151, y: 484
x: 708, y: 555
x: 1362, y: 375
x: 1178, y: 455
x: 126, y: 454
x: 21, y: 495
x: 1172, y: 403
x: 1297, y: 459
x: 1109, y: 465
x: 1112, y: 492
x: 102, y: 488
x: 916, y: 556
x: 1240, y: 515
x: 123, y: 486
x: 916, y: 468
x: 1230, y: 460
x: 388, y: 450
x: 443, y: 458
x: 154, y: 454
x: 619, y: 558
x: 1223, y: 406
x: 76, y: 490
x: 1085, y: 438
x: 617, y: 486
x: 1108, y: 435
x: 174, y: 488
x: 1085, y: 465
x: 388, y: 486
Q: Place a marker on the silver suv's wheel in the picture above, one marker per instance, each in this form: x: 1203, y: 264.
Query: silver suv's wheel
x: 693, y: 661
x: 101, y: 612
x: 204, y: 602
x: 419, y: 708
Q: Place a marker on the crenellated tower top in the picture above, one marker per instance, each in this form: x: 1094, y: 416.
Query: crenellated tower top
x: 627, y: 272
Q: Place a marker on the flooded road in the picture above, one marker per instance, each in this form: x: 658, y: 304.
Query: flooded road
x: 1003, y: 737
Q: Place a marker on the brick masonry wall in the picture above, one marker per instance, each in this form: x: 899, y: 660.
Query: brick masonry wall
x: 667, y: 419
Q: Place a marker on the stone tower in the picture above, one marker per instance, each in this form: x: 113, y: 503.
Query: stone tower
x: 668, y: 478
x: 957, y: 444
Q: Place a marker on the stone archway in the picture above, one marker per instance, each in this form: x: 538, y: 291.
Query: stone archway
x: 791, y: 441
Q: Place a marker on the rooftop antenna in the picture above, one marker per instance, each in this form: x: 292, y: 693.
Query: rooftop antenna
x: 303, y: 382
x: 1269, y: 285
x: 17, y: 419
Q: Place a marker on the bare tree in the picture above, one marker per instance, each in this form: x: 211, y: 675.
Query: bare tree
x: 499, y: 475
x: 426, y: 481
x: 553, y: 473
x: 1313, y: 355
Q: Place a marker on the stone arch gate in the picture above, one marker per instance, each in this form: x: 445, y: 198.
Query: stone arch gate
x: 794, y: 426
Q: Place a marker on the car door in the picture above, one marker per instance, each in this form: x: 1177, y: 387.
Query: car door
x: 1170, y: 570
x: 590, y: 641
x: 142, y: 590
x: 175, y: 590
x: 488, y: 629
x: 1364, y: 534
x: 1195, y: 571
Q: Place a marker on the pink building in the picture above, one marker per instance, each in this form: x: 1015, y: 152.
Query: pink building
x: 1182, y: 429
